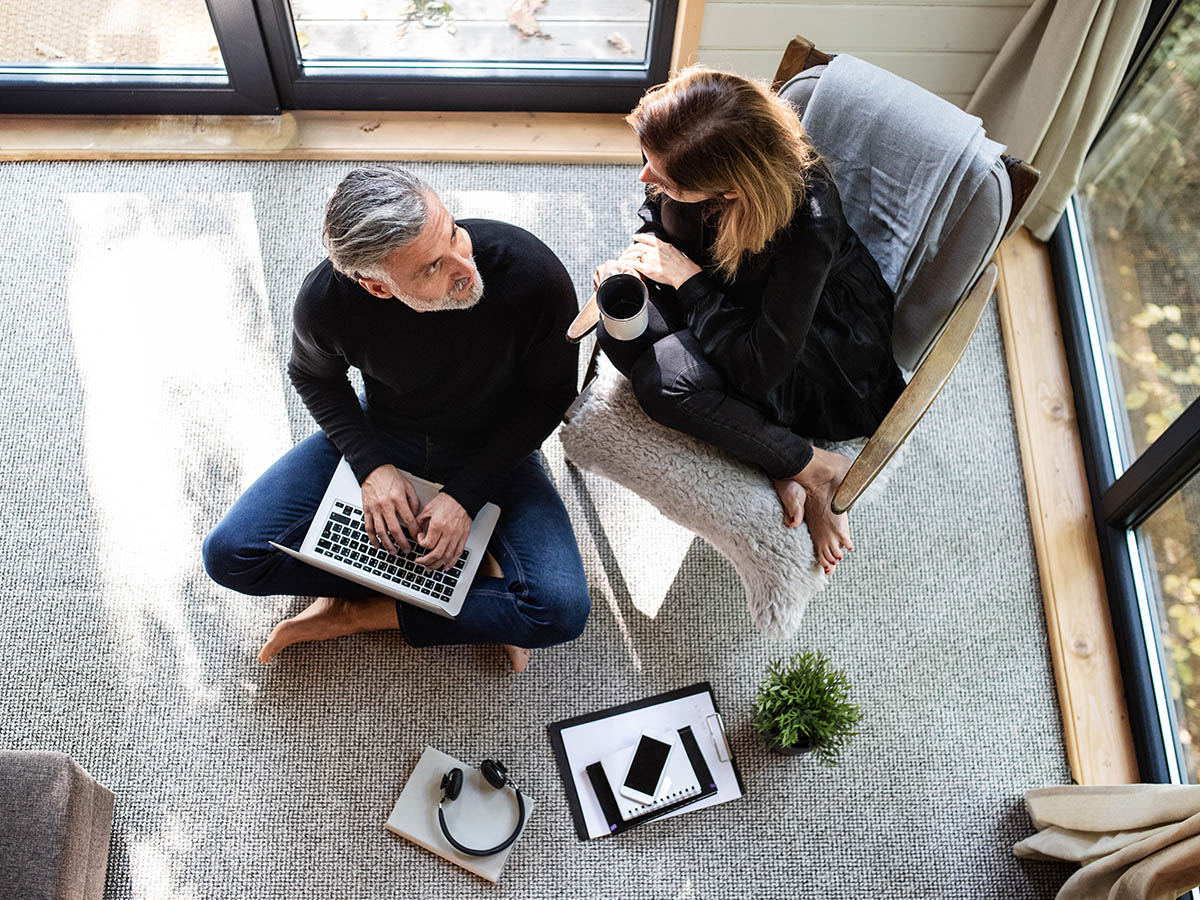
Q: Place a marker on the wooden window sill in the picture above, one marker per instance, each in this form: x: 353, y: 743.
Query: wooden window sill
x: 1079, y: 628
x: 318, y: 134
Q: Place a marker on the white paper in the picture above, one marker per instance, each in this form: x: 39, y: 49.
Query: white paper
x: 588, y: 743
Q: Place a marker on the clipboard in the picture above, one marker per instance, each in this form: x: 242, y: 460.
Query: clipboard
x: 577, y: 747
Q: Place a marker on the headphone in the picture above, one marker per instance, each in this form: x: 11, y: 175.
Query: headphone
x: 497, y: 776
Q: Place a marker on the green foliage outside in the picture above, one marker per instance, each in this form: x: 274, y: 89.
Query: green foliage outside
x: 804, y: 702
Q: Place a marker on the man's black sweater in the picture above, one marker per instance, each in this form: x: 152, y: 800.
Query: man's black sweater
x: 497, y: 376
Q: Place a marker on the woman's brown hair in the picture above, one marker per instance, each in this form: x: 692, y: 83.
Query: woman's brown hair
x: 716, y: 132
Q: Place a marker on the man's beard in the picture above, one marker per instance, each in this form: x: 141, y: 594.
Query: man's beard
x: 448, y: 302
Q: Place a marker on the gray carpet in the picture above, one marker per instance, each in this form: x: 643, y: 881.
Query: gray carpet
x: 145, y: 312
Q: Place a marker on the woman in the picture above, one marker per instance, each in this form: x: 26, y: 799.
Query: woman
x: 770, y: 323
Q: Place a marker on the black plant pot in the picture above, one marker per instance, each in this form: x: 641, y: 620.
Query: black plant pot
x: 795, y: 750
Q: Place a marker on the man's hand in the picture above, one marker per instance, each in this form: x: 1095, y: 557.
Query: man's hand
x: 444, y: 528
x: 389, y: 499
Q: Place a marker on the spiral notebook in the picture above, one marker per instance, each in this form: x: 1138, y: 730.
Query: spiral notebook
x: 679, y: 782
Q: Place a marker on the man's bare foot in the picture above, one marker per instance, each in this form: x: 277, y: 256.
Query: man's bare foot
x: 830, y: 533
x: 330, y: 617
x: 519, y: 656
x: 791, y: 498
x: 489, y: 567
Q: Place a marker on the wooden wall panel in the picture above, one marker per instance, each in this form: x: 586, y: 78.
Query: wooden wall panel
x: 943, y: 45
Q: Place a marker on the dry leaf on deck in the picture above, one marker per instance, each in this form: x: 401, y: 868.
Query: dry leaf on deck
x: 1136, y: 399
x: 1175, y: 550
x: 302, y: 39
x: 401, y: 31
x: 522, y: 15
x: 48, y: 51
x: 618, y: 40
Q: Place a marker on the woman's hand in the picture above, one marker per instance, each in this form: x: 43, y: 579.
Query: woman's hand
x: 659, y: 261
x: 611, y: 267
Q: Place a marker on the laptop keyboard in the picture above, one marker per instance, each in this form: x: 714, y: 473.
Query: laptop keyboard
x: 345, y: 539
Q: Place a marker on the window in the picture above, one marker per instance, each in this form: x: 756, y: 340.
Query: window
x: 186, y: 56
x: 468, y: 54
x: 1127, y: 266
x: 258, y: 56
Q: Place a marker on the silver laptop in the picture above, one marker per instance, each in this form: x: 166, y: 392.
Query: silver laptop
x: 337, y: 542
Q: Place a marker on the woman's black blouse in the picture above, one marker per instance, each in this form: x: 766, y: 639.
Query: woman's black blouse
x: 804, y: 327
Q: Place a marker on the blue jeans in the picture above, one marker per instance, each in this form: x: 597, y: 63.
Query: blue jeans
x: 541, y: 600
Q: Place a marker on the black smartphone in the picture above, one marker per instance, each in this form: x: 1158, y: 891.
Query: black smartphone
x: 644, y: 778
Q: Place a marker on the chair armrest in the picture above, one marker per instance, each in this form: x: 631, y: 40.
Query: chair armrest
x: 926, y: 384
x: 584, y: 322
x: 800, y: 54
x: 1023, y: 178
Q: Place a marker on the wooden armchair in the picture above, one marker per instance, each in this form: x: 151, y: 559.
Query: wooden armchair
x: 951, y: 294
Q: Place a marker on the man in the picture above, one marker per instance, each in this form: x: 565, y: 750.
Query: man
x: 457, y: 329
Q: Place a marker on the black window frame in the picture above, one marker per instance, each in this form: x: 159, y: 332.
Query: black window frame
x: 1122, y: 504
x: 246, y: 87
x: 541, y: 87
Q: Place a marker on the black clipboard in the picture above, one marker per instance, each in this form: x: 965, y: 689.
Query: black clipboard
x: 555, y: 731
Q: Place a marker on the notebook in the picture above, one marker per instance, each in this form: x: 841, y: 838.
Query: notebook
x: 679, y: 782
x: 481, y: 816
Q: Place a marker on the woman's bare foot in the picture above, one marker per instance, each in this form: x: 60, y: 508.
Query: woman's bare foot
x: 330, y: 617
x: 791, y: 498
x: 519, y: 656
x: 830, y: 533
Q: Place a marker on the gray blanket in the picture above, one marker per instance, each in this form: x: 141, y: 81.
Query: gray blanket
x: 902, y: 196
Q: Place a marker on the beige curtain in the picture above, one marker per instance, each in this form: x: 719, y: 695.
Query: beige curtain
x: 1132, y: 841
x: 1050, y: 88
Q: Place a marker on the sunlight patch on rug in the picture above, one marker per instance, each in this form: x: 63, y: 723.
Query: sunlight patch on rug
x: 169, y: 322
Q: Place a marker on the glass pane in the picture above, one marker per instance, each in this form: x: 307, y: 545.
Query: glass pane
x: 118, y: 33
x: 1138, y: 195
x: 1170, y: 545
x: 456, y: 32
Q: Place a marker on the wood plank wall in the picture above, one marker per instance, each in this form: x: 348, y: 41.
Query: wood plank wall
x: 943, y: 45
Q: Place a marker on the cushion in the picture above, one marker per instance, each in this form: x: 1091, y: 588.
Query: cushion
x: 58, y: 821
x: 728, y: 503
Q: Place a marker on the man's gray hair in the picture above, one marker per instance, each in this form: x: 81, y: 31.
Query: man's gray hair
x: 371, y: 213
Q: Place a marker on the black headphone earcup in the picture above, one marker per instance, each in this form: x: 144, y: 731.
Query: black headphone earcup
x: 494, y: 772
x: 452, y: 783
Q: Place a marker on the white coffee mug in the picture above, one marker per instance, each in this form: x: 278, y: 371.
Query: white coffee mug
x: 624, y: 306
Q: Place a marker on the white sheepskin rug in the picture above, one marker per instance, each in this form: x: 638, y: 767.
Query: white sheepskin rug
x: 728, y: 503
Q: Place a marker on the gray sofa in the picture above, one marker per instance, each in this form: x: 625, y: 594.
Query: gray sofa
x: 55, y: 825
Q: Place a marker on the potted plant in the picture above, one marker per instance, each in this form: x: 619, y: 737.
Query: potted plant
x: 803, y: 704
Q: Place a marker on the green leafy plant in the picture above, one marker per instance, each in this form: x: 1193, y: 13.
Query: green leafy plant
x: 804, y: 703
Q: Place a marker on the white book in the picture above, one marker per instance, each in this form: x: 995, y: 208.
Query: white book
x: 481, y: 816
x: 678, y: 783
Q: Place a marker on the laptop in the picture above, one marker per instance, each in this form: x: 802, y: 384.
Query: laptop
x: 337, y: 542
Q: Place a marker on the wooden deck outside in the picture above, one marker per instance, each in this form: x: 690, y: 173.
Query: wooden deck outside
x: 562, y: 30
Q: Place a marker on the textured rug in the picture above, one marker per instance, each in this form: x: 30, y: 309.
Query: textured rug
x: 145, y: 310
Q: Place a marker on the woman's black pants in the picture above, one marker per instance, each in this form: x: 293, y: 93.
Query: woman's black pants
x: 678, y: 387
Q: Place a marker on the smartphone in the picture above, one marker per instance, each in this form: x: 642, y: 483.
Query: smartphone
x: 645, y: 775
